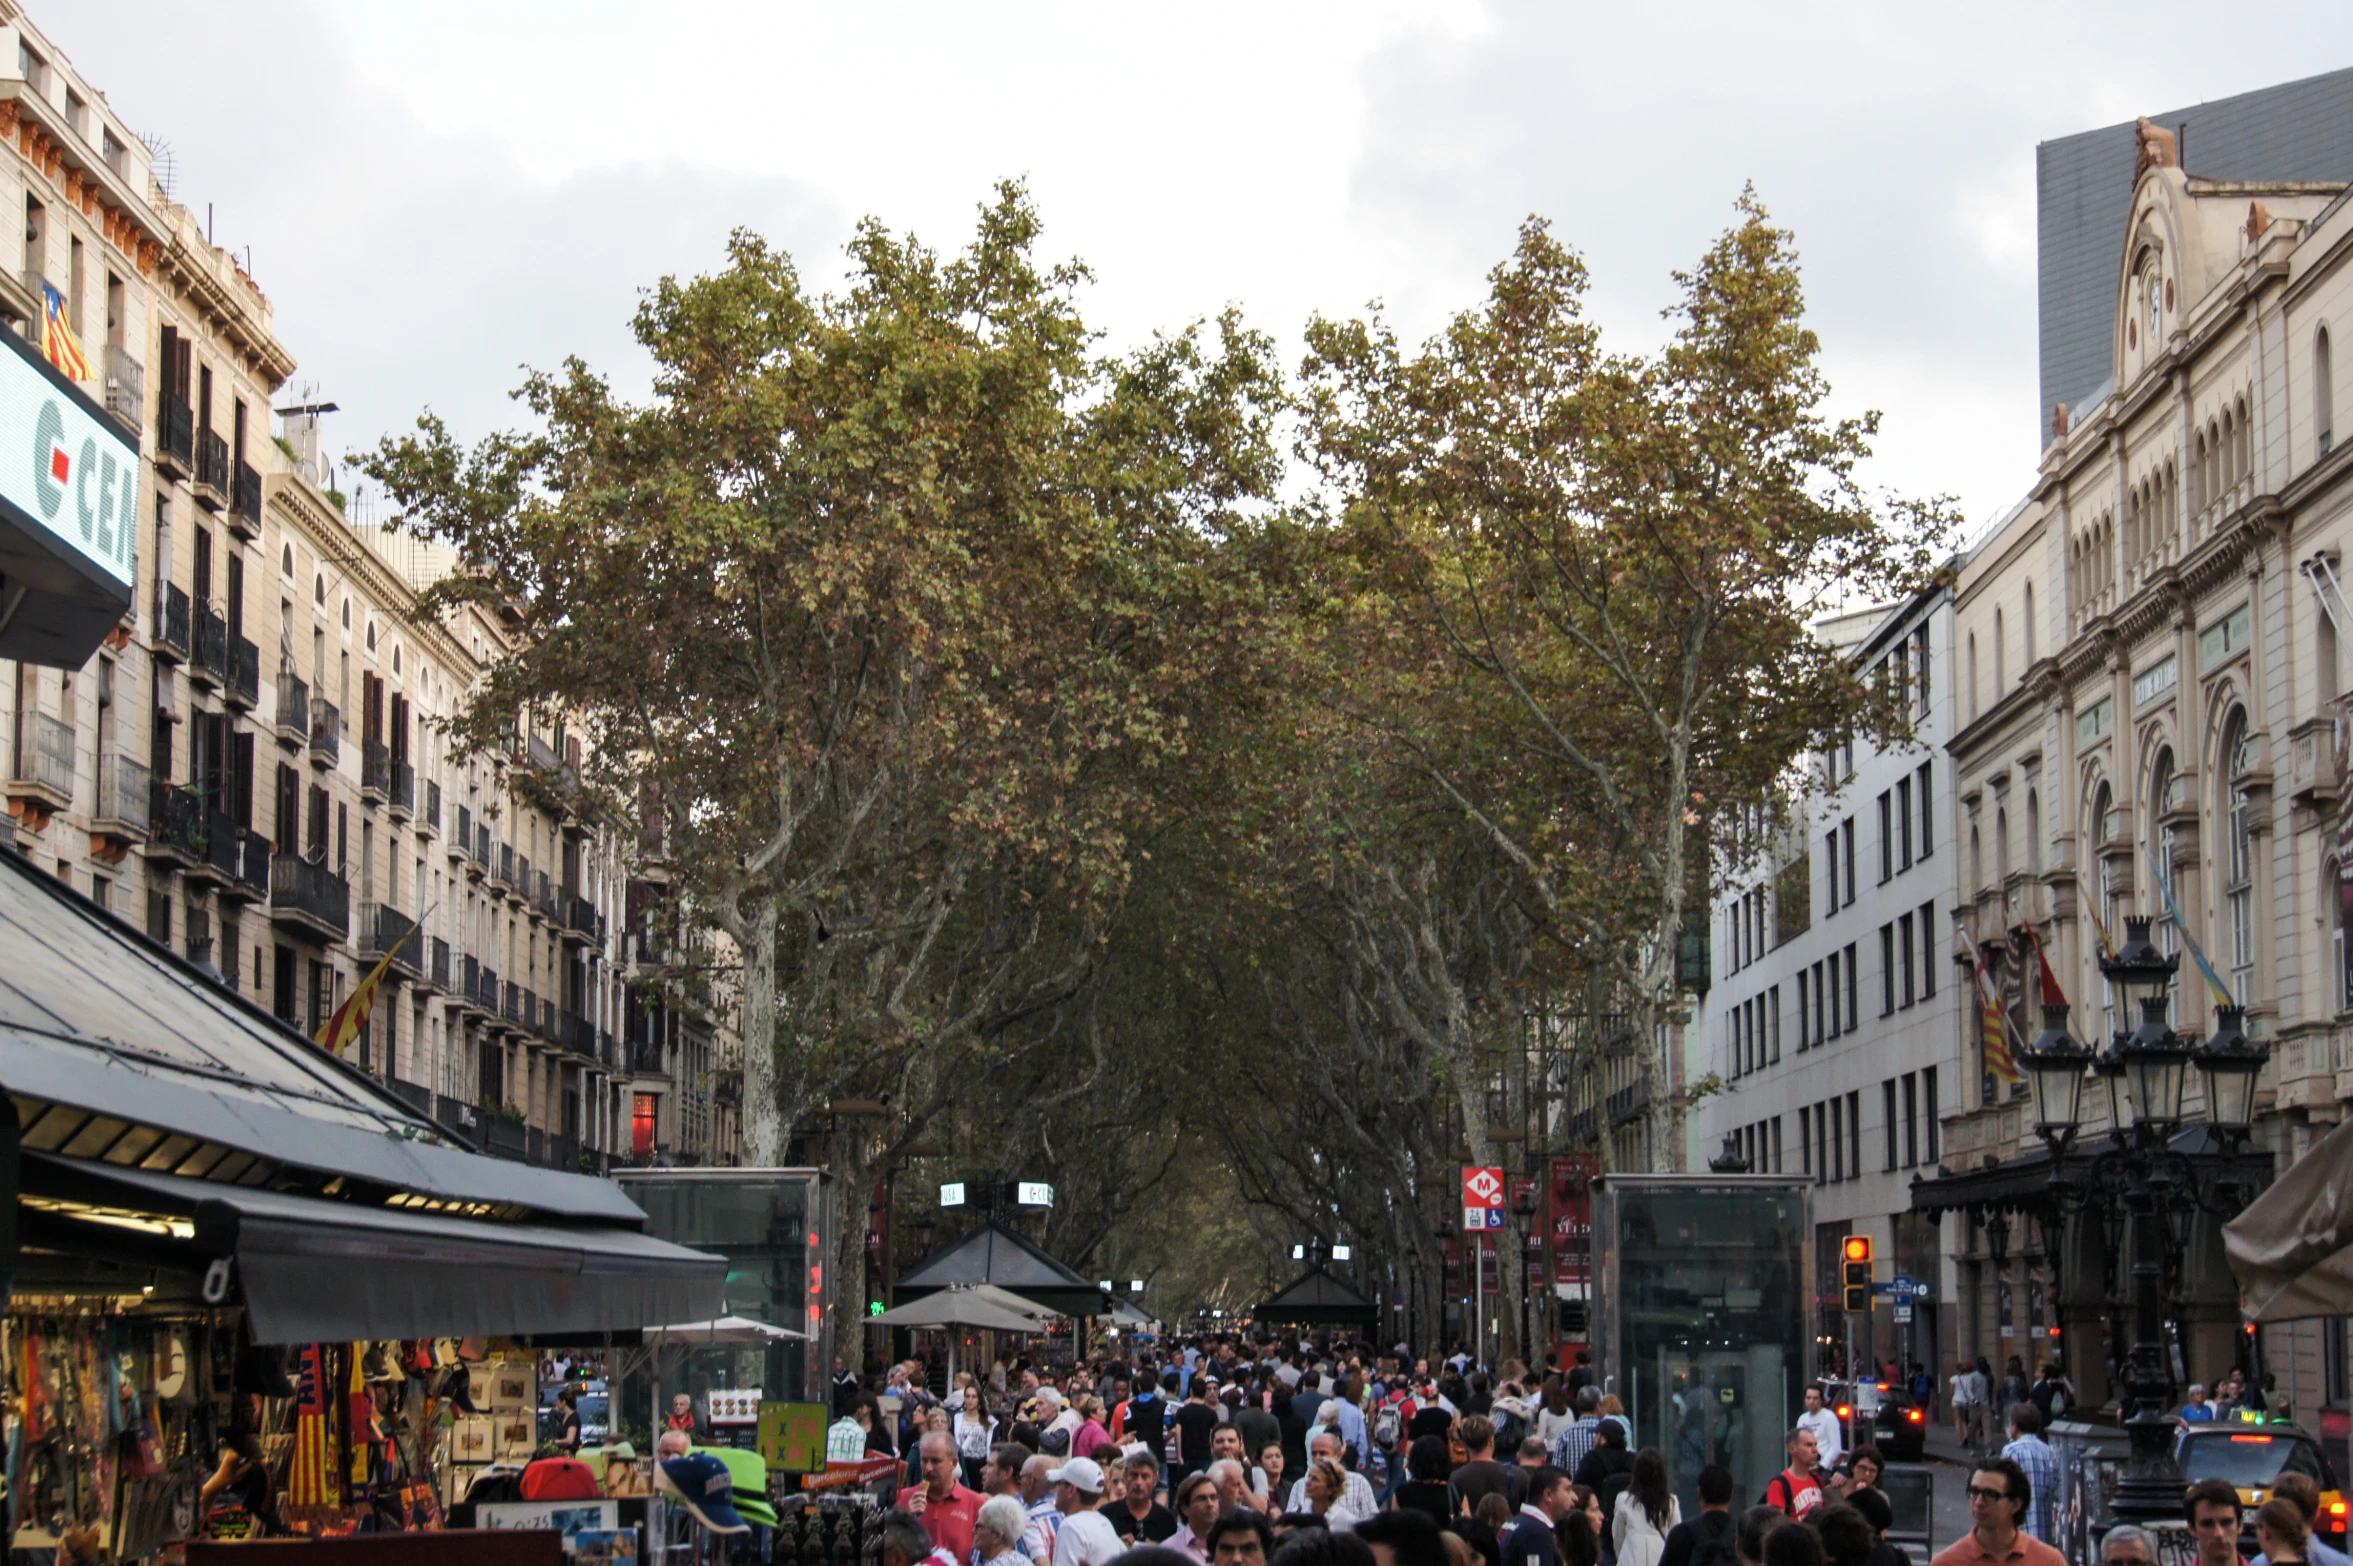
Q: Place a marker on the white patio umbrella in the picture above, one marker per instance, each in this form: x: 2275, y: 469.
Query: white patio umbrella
x: 969, y: 1305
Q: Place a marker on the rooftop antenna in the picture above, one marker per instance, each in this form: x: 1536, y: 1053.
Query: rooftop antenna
x: 162, y: 164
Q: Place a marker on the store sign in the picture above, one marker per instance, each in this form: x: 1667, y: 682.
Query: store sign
x: 1034, y: 1193
x: 952, y: 1194
x: 69, y: 511
x: 1482, y: 1198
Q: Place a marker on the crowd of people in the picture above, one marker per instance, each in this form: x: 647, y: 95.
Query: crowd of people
x: 1247, y: 1453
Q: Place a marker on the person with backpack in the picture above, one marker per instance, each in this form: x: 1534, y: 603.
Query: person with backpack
x: 1705, y: 1540
x: 1387, y: 1427
x: 1797, y: 1489
x: 1607, y: 1471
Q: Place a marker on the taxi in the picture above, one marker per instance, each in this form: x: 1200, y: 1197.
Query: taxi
x: 2250, y: 1456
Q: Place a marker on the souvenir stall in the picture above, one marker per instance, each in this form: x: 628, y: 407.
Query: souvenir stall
x: 253, y: 1291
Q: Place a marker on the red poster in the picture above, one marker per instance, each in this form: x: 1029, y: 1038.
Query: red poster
x: 1570, y: 1207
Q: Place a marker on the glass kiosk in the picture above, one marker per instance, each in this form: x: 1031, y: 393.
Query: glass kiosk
x: 1701, y: 1288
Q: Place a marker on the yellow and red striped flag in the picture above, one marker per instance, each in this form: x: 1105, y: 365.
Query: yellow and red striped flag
x: 310, y: 1478
x: 57, y: 336
x: 350, y: 1017
x: 1993, y: 1020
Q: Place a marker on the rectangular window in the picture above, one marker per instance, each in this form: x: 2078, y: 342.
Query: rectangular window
x: 1903, y: 932
x: 1887, y: 1118
x: 1835, y: 1029
x: 1854, y: 990
x: 1776, y: 1130
x: 1848, y: 828
x: 1854, y: 1135
x: 1732, y: 1041
x: 2224, y: 637
x: 1821, y: 1017
x: 1887, y: 969
x: 1911, y: 1120
x: 1830, y: 870
x: 2095, y: 721
x: 1886, y: 838
x: 1928, y: 950
x: 1805, y: 1036
x: 1927, y: 810
x: 1773, y: 1026
x: 1920, y: 666
x: 1928, y: 1127
x: 1805, y: 1140
x: 1837, y: 1164
x: 1903, y: 812
x: 2158, y: 679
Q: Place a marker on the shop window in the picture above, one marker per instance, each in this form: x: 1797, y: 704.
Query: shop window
x: 641, y: 1125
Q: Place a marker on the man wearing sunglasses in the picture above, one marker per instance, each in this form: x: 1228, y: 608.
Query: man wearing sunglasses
x: 1999, y: 1497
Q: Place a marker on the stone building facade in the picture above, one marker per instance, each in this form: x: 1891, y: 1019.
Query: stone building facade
x: 2149, y: 664
x: 251, y: 769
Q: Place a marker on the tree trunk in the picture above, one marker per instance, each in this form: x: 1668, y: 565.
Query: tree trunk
x: 765, y: 1121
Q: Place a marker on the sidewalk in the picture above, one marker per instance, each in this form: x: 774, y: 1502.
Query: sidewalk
x: 1942, y: 1447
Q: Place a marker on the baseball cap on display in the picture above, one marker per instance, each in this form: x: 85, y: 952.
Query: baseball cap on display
x: 701, y: 1484
x: 1083, y: 1472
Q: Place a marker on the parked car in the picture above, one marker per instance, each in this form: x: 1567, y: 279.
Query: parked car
x: 2250, y: 1457
x: 1883, y: 1414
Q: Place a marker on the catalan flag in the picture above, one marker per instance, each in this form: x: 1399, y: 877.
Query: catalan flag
x: 311, y: 1480
x: 57, y: 337
x: 350, y: 1017
x: 1994, y: 1021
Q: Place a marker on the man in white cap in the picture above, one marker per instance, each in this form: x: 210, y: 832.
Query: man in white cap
x: 1086, y: 1537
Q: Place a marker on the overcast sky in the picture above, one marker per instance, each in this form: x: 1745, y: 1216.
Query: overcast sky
x: 438, y: 192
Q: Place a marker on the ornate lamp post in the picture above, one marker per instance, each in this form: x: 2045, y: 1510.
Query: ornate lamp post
x: 2144, y: 1073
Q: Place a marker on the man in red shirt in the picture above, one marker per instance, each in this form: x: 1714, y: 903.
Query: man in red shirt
x: 1999, y: 1495
x: 947, y: 1509
x: 1797, y: 1489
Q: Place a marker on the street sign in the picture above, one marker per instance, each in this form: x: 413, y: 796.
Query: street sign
x: 1903, y: 1313
x: 1482, y: 1197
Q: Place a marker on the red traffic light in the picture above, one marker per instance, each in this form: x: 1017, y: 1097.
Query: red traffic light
x: 1856, y: 1247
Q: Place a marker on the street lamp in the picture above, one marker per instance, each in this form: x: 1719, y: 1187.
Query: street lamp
x: 2144, y: 1073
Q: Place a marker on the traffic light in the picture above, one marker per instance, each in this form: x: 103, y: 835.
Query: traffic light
x: 1856, y: 1251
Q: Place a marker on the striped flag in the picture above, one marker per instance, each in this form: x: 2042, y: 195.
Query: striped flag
x: 352, y: 1016
x: 1993, y: 1020
x: 57, y: 337
x: 310, y: 1478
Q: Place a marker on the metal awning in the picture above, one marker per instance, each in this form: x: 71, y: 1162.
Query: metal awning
x: 994, y: 1254
x: 1317, y: 1299
x: 316, y: 1268
x: 2023, y: 1184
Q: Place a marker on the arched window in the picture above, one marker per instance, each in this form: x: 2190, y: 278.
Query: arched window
x: 2238, y: 870
x: 2324, y: 392
x: 347, y: 614
x: 1972, y: 674
x: 2230, y: 450
x: 2246, y: 444
x: 286, y: 562
x: 1976, y: 862
x: 2034, y: 831
x: 2002, y: 846
x: 2343, y: 966
x: 318, y: 589
x: 2096, y: 827
x: 2001, y: 679
x: 2029, y: 622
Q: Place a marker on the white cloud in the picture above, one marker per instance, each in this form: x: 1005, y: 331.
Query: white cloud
x: 439, y: 191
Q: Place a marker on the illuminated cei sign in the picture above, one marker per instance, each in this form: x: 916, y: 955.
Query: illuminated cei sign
x: 69, y: 513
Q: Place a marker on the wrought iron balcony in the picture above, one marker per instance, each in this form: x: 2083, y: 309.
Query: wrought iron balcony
x: 512, y: 1007
x: 429, y: 818
x: 175, y: 824
x: 385, y: 931
x: 43, y: 769
x: 488, y: 992
x: 212, y: 482
x: 400, y: 790
x: 582, y: 922
x: 175, y: 435
x: 310, y: 895
x: 171, y: 624
x: 293, y: 710
x: 469, y: 978
x: 374, y: 762
x: 577, y: 1034
x: 209, y: 664
x: 242, y: 687
x: 437, y: 969
x: 326, y: 734
x: 504, y: 1138
x: 245, y: 502
x: 126, y: 390
x: 482, y: 844
x: 502, y: 867
x: 124, y: 798
x: 250, y: 881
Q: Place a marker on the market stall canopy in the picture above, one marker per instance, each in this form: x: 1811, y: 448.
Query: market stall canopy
x: 721, y: 1332
x: 1122, y: 1314
x: 2292, y: 1249
x: 968, y: 1305
x: 993, y: 1254
x: 181, y: 1123
x: 1317, y: 1299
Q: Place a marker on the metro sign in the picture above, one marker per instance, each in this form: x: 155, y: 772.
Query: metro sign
x: 1482, y: 1198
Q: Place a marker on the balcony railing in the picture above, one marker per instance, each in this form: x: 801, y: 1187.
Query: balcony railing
x: 243, y: 685
x: 462, y: 834
x: 209, y: 664
x: 245, y: 503
x: 126, y: 388
x: 455, y: 1114
x: 253, y: 870
x: 45, y: 759
x: 124, y: 790
x: 212, y: 470
x: 437, y: 969
x: 385, y: 931
x: 488, y: 992
x: 326, y: 734
x: 175, y: 822
x: 540, y: 753
x: 401, y: 786
x: 502, y: 864
x: 312, y: 893
x: 175, y: 431
x: 504, y: 1138
x: 576, y: 1033
x: 373, y: 763
x: 469, y: 978
x: 512, y: 1003
x: 429, y: 818
x: 482, y: 844
x: 224, y: 846
x: 171, y: 624
x: 293, y: 708
x: 582, y: 919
